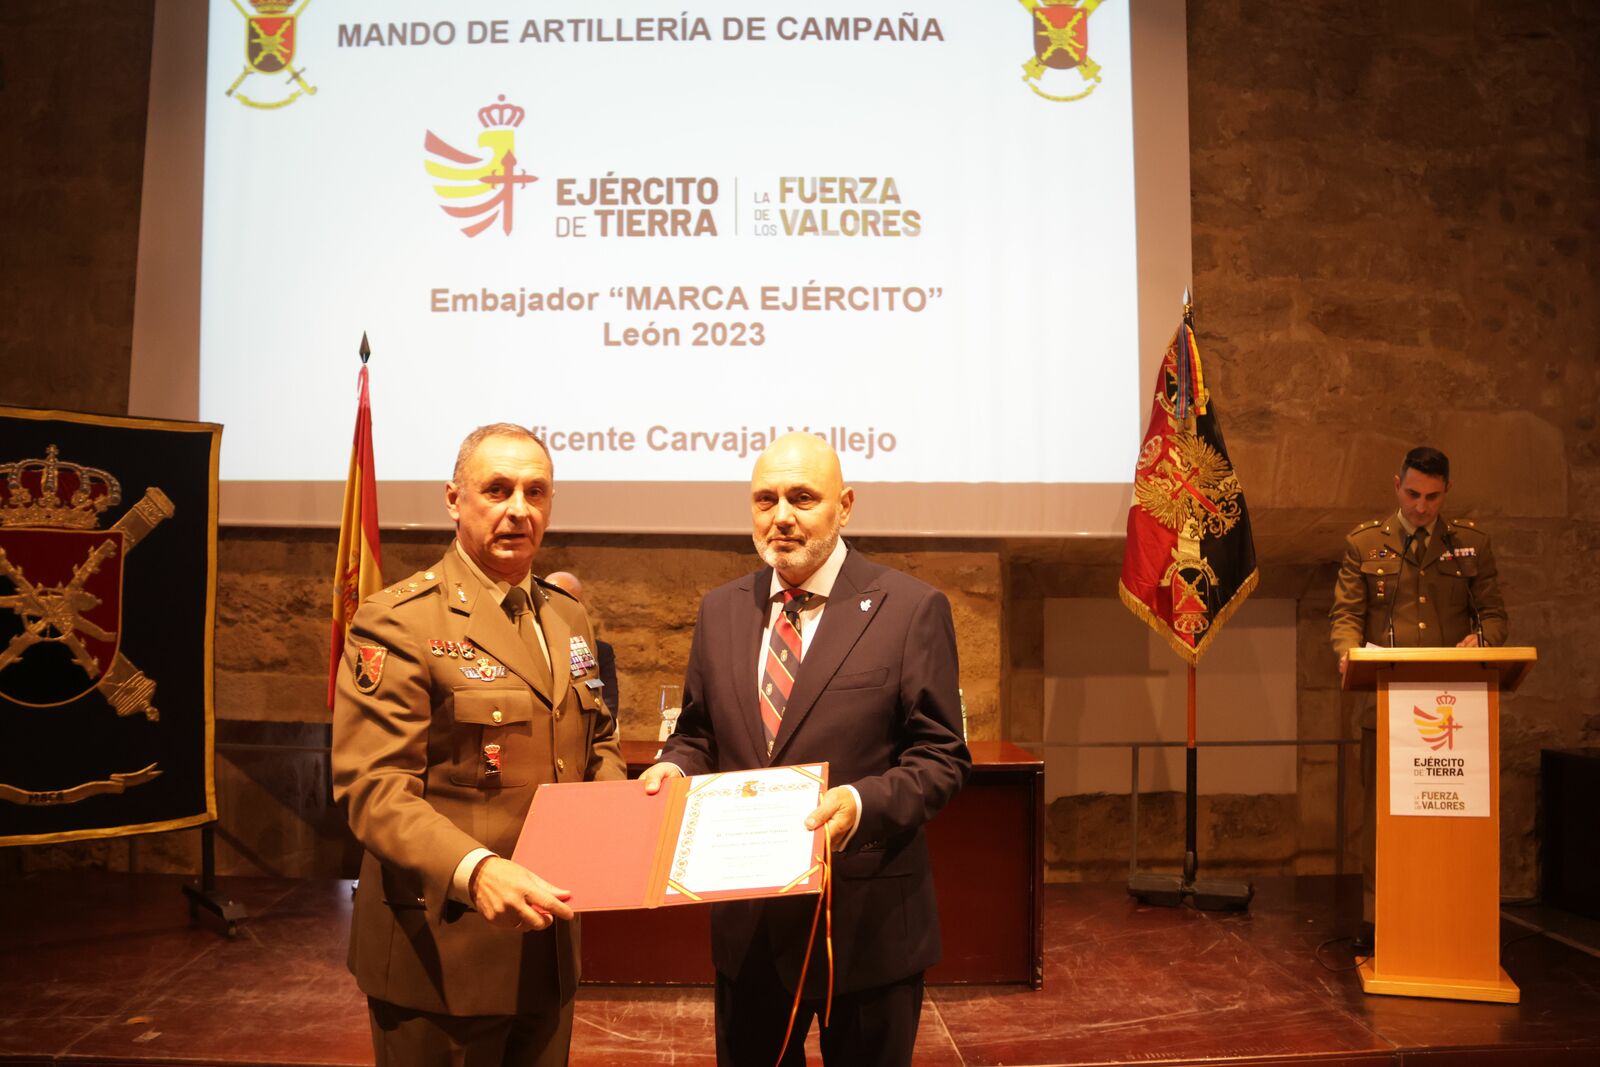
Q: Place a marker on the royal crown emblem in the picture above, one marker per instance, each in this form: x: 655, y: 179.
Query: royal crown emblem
x: 48, y: 492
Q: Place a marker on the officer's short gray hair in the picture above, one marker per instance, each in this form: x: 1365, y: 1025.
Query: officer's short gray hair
x: 497, y: 429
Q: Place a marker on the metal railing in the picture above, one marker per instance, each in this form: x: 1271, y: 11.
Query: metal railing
x: 1135, y: 747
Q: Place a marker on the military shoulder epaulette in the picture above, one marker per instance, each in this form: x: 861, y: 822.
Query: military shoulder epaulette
x: 419, y: 583
x: 550, y: 587
x: 1366, y: 526
x: 1468, y: 523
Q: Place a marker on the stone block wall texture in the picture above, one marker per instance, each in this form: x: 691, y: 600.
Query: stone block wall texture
x: 1393, y: 219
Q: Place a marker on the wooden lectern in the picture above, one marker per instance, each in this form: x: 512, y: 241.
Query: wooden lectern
x: 1437, y: 923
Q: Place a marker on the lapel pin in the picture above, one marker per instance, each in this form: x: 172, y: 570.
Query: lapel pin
x: 866, y: 605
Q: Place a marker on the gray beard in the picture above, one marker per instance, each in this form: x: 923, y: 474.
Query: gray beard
x: 806, y: 558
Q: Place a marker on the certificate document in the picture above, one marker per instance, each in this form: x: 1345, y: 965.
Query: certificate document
x: 746, y: 830
x: 732, y: 835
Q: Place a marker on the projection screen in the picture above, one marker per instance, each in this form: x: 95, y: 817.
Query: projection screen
x: 953, y: 240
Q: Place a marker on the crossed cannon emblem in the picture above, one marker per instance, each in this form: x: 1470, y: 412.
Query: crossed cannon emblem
x: 55, y: 614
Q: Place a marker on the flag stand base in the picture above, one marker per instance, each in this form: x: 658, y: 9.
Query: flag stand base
x: 205, y: 896
x: 1207, y: 894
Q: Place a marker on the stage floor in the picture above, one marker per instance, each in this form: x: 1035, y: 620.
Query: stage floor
x: 107, y: 968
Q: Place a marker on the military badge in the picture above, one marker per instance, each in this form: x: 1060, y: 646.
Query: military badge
x: 491, y: 758
x: 581, y: 657
x: 485, y: 671
x: 369, y: 667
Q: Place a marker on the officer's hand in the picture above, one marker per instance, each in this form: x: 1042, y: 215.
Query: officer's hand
x: 1344, y: 663
x: 514, y: 898
x: 656, y: 774
x: 1469, y: 641
x: 838, y: 810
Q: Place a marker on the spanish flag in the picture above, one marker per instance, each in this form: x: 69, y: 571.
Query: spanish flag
x: 1189, y: 561
x: 357, y: 571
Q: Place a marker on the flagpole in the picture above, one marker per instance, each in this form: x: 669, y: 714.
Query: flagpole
x: 1170, y: 582
x: 1191, y: 788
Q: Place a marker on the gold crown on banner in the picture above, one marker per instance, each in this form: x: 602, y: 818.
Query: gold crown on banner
x: 1446, y: 700
x: 501, y: 115
x: 271, y: 7
x: 49, y: 492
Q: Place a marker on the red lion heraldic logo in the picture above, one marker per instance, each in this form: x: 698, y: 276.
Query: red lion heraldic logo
x: 480, y: 187
x: 269, y: 38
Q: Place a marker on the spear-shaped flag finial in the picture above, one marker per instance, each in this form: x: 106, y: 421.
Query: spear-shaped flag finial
x: 365, y: 350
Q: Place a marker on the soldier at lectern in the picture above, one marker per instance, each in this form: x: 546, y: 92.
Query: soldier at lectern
x: 1415, y: 578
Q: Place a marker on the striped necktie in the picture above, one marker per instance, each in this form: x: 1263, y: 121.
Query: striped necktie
x: 782, y: 663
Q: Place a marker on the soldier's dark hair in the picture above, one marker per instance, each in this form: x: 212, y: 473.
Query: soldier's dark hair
x: 496, y: 429
x: 1425, y: 460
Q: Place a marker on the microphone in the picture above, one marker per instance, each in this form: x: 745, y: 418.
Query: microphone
x: 1472, y: 603
x: 1405, y: 553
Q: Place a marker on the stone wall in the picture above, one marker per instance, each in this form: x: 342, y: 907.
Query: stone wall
x: 1393, y: 213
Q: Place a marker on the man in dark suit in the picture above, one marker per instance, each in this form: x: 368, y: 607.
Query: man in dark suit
x: 826, y: 656
x: 464, y: 691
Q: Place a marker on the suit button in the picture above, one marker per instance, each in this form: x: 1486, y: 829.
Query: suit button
x: 497, y: 717
x: 1422, y: 626
x: 556, y: 715
x: 561, y: 764
x: 1422, y: 600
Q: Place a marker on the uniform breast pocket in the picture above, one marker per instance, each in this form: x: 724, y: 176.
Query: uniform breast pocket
x: 1380, y: 575
x: 492, y: 739
x: 1452, y: 578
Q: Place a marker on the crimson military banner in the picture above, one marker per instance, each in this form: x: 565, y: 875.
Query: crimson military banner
x: 107, y: 591
x: 1189, y: 561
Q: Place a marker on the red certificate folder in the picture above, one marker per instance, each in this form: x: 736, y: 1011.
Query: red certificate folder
x: 616, y: 847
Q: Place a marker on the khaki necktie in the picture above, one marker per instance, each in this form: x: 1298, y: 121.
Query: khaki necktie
x: 519, y: 607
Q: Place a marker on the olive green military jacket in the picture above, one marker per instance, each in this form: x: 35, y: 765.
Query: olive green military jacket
x: 445, y: 722
x: 1427, y: 600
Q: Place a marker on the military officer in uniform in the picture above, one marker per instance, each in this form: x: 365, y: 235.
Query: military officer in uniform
x: 1413, y: 579
x: 466, y: 686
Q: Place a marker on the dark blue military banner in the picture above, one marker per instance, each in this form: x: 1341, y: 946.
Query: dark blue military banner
x: 108, y: 538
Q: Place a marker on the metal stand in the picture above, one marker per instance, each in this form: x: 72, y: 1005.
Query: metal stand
x: 1168, y: 890
x: 205, y: 895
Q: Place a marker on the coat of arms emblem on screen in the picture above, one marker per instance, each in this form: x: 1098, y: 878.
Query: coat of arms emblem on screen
x: 1061, y: 68
x: 269, y: 43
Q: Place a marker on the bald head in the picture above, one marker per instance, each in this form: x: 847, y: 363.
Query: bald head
x: 568, y: 581
x: 798, y: 504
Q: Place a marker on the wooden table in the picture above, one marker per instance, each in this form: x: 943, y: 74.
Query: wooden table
x: 987, y: 848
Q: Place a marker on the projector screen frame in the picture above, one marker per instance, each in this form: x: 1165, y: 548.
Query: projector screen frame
x: 165, y: 374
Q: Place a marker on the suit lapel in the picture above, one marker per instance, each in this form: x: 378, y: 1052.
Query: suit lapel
x: 488, y: 628
x: 746, y: 623
x: 852, y: 605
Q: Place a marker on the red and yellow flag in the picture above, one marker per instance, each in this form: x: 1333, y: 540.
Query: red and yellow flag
x: 1189, y: 561
x: 358, y: 568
